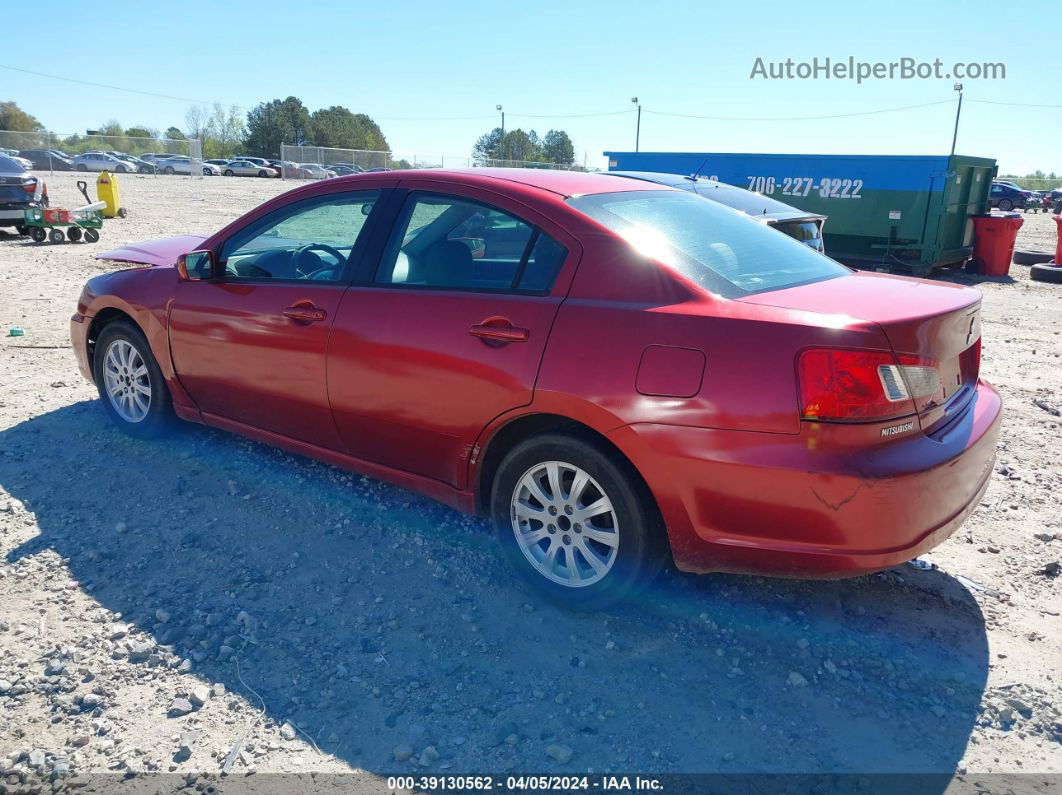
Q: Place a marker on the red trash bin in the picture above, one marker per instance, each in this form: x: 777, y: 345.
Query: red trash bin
x: 1058, y: 246
x: 994, y: 238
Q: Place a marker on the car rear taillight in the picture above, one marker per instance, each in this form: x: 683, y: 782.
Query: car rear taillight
x: 863, y: 386
x: 30, y: 186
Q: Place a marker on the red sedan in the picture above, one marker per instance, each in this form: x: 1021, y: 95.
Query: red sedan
x: 615, y: 372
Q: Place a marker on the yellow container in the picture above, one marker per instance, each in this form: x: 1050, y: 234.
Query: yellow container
x: 107, y: 191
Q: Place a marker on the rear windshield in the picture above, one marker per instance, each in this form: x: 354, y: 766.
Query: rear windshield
x: 10, y: 166
x: 723, y: 250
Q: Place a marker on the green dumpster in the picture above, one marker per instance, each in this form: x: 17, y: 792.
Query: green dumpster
x: 884, y: 211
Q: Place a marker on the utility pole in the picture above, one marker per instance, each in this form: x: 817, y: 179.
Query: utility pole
x: 958, y: 110
x: 502, y: 112
x: 638, y: 128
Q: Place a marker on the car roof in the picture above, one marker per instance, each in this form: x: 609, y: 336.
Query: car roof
x: 561, y: 183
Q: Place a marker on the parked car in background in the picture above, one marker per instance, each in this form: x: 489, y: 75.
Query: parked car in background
x: 245, y: 168
x: 754, y: 406
x: 101, y: 161
x: 219, y: 162
x: 47, y: 159
x: 154, y: 157
x: 343, y: 170
x: 183, y: 165
x: 290, y: 170
x: 19, y: 191
x: 258, y: 161
x: 799, y: 224
x: 138, y: 165
x: 1007, y: 196
x: 316, y: 170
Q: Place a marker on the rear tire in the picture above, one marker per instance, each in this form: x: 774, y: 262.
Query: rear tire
x: 124, y: 367
x: 616, y: 549
x: 38, y: 234
x: 74, y: 234
x: 1006, y: 204
x: 22, y: 230
x: 92, y: 235
x: 168, y: 170
x: 1046, y: 273
x: 56, y: 236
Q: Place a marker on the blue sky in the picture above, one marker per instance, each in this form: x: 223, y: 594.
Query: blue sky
x: 431, y: 73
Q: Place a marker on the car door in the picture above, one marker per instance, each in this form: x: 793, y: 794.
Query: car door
x: 448, y: 333
x: 249, y: 345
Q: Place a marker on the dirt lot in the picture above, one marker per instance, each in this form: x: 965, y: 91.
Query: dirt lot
x: 210, y: 603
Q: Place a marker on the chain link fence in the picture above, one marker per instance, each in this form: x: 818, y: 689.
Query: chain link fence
x: 315, y: 162
x: 50, y: 151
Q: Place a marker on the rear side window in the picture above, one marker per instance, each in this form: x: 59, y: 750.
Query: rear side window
x: 723, y: 250
x: 452, y: 243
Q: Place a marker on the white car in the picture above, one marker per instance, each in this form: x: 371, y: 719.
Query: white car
x: 245, y: 168
x: 317, y: 170
x: 101, y: 161
x: 179, y: 164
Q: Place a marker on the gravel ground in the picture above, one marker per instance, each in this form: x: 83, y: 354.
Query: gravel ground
x: 209, y: 604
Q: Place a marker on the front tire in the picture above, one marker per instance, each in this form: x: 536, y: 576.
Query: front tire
x: 131, y: 386
x: 1006, y: 204
x: 579, y: 526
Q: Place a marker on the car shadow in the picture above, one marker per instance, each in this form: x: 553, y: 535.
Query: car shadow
x: 372, y: 618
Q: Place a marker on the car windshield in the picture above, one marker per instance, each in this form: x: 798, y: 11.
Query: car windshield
x: 717, y: 247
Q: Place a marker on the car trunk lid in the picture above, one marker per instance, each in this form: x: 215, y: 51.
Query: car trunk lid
x: 936, y: 322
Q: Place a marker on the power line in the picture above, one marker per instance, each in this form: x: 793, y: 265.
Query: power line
x: 799, y: 118
x: 1013, y: 104
x: 111, y: 87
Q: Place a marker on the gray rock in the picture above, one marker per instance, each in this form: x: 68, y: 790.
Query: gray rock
x: 287, y: 731
x: 938, y: 710
x: 1018, y: 704
x: 36, y: 757
x: 162, y: 616
x: 5, y: 685
x: 140, y: 651
x: 561, y: 753
x: 81, y: 741
x: 179, y: 707
x: 188, y: 739
x: 796, y: 680
x: 403, y: 752
x: 200, y: 695
x: 217, y: 689
x: 428, y: 756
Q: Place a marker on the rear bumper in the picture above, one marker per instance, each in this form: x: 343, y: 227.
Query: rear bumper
x: 811, y: 504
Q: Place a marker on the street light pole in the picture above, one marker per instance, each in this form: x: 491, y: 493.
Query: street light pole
x: 958, y: 110
x: 502, y: 112
x: 638, y: 128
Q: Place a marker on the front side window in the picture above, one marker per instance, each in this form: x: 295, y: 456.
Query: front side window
x: 311, y: 241
x: 449, y: 242
x: 723, y: 250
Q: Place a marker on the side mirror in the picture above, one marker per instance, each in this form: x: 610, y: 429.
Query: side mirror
x: 195, y: 265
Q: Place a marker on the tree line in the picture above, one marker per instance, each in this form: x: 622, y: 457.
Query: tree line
x: 555, y: 147
x: 226, y: 131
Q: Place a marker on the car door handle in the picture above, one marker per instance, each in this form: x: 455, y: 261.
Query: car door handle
x: 305, y: 313
x: 498, y: 330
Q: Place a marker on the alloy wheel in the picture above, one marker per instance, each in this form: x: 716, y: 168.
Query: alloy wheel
x: 565, y: 524
x: 125, y: 376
